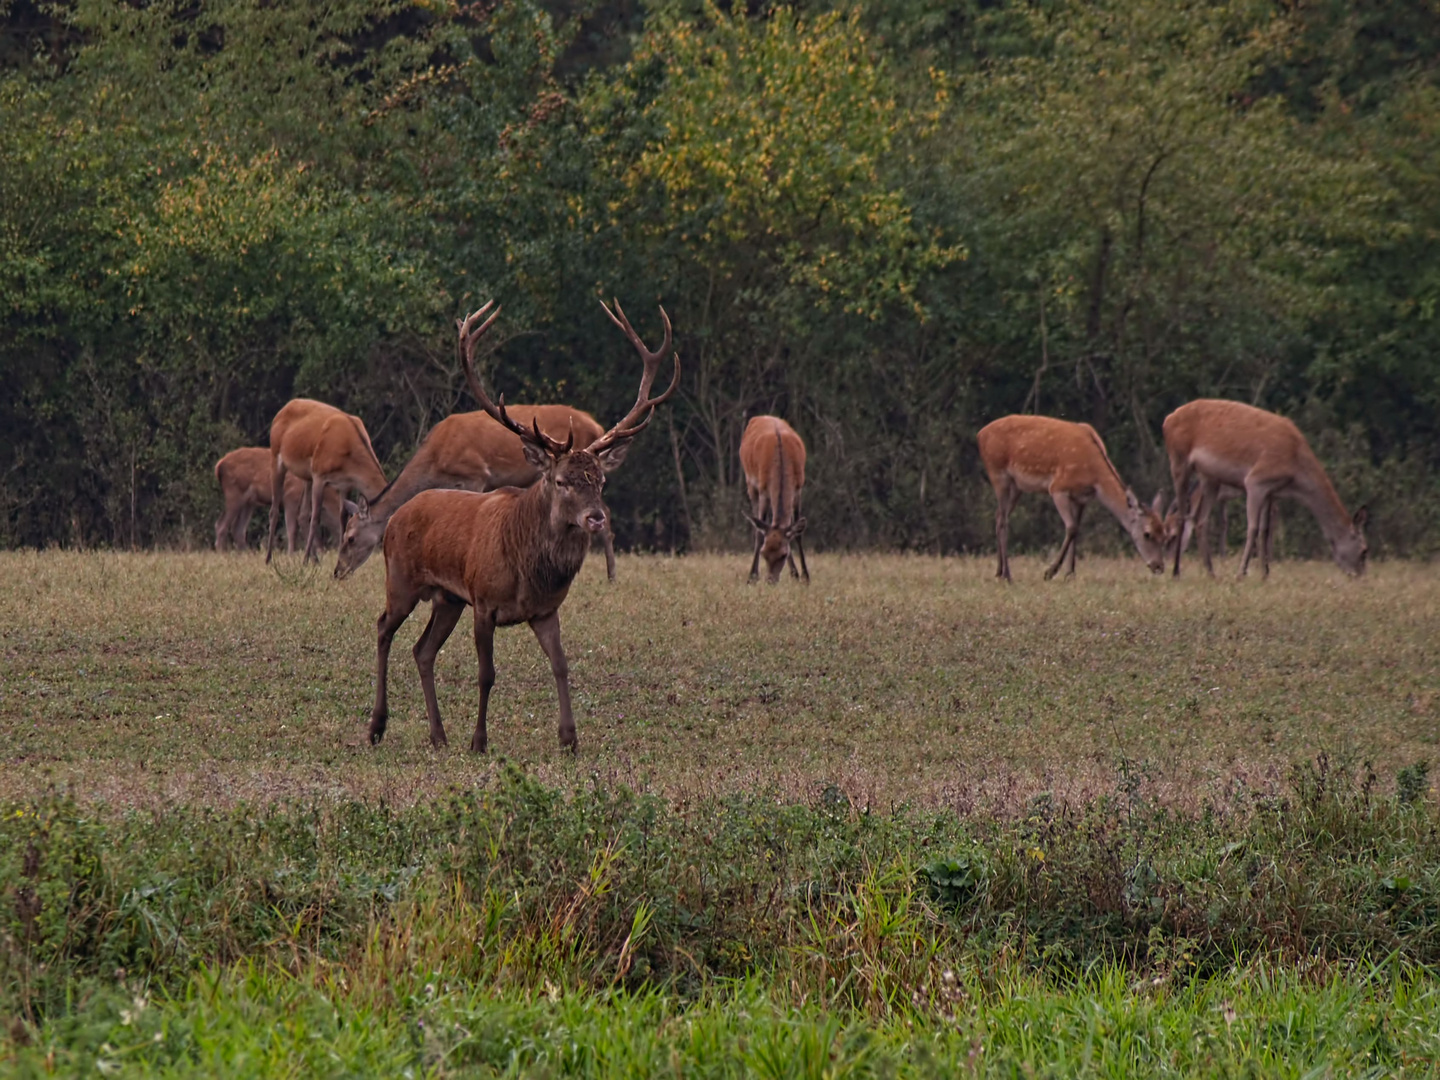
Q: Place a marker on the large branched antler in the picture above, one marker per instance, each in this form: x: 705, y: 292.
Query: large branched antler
x: 465, y: 349
x: 644, y: 407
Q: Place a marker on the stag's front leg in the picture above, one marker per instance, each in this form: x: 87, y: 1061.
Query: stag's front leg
x: 485, y: 654
x: 443, y: 617
x: 547, y: 632
x: 755, y: 561
x: 1075, y: 546
x: 390, y: 620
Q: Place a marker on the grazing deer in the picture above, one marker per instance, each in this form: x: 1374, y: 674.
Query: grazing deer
x: 773, y: 457
x: 246, y: 483
x: 1228, y: 442
x: 510, y: 554
x: 471, y: 452
x: 326, y: 448
x: 1039, y: 453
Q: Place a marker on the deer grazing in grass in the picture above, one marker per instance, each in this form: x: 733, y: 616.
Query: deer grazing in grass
x: 471, y: 452
x: 246, y: 481
x: 1038, y: 453
x: 510, y: 554
x: 327, y: 449
x: 1228, y: 442
x: 773, y: 457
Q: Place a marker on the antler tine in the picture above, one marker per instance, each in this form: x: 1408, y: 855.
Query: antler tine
x: 465, y: 346
x: 644, y: 405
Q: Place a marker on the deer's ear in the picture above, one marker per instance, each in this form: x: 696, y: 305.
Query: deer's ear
x: 536, y: 455
x: 1130, y: 500
x: 613, y: 456
x: 795, y: 530
x: 360, y: 506
x: 1157, y: 504
x: 1361, y: 517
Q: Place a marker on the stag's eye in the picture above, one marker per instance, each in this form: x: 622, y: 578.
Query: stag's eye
x: 561, y: 482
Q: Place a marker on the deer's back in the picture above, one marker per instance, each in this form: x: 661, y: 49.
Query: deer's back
x: 1217, y: 433
x: 473, y: 445
x: 246, y: 472
x: 761, y: 445
x: 1039, y: 448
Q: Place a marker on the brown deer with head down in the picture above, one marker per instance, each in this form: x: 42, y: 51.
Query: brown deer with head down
x: 510, y: 554
x: 327, y: 449
x: 246, y: 481
x: 1040, y: 453
x: 467, y: 451
x: 1229, y: 442
x: 773, y: 457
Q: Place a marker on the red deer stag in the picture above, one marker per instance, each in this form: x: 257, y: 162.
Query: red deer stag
x: 246, y: 483
x: 1038, y: 453
x: 510, y: 554
x: 773, y: 457
x: 326, y: 448
x: 1228, y: 442
x: 471, y: 452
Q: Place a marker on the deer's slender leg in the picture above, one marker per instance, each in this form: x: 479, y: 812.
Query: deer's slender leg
x: 547, y: 632
x: 1257, y: 495
x: 1066, y: 506
x: 397, y: 610
x: 1006, y: 495
x: 277, y: 485
x: 485, y: 654
x: 242, y: 527
x: 804, y: 570
x: 1266, y: 512
x: 1203, y: 513
x: 444, y: 614
x: 317, y: 501
x: 1180, y: 477
x: 1075, y: 546
x: 295, y: 519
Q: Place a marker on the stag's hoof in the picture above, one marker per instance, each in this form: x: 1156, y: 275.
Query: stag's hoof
x: 477, y: 746
x: 376, y: 734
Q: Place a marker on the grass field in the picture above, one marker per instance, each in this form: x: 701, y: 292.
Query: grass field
x: 1147, y: 825
x: 137, y: 679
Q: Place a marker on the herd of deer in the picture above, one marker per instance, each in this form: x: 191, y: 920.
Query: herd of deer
x: 497, y: 509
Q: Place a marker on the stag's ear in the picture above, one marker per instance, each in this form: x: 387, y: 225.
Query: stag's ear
x: 1361, y: 517
x: 1157, y: 504
x: 613, y: 456
x: 536, y: 454
x: 1130, y: 500
x: 360, y: 506
x: 795, y: 530
x: 762, y: 526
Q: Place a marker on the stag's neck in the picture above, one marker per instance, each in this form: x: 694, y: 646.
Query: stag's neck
x: 1111, y: 494
x: 546, y: 558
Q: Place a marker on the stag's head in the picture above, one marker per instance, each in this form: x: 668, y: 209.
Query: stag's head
x: 361, y: 535
x: 572, y: 479
x: 775, y: 548
x: 1349, y: 548
x: 1148, y: 529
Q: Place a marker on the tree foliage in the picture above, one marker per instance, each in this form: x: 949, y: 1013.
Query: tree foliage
x: 888, y: 222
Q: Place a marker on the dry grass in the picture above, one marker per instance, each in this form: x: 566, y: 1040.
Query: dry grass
x: 147, y: 678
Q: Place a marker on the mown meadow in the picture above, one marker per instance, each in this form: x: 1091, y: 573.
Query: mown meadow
x: 906, y: 821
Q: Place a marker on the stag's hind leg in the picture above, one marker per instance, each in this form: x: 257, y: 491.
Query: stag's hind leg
x: 804, y: 570
x: 397, y: 610
x: 445, y: 612
x: 277, y: 488
x: 1007, y: 494
x: 547, y: 632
